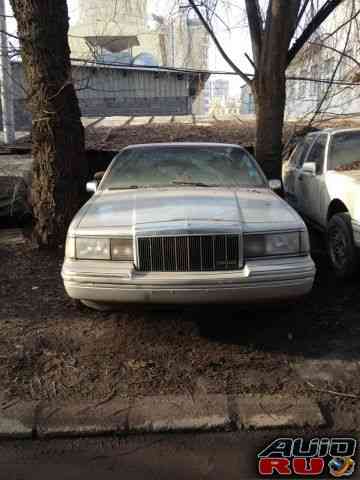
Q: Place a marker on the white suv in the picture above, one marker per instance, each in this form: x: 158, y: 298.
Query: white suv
x: 322, y: 182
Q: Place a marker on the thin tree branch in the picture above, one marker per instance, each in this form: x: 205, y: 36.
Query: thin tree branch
x: 328, y: 88
x: 236, y: 69
x: 315, y: 23
x: 350, y: 19
x: 302, y: 11
x: 343, y: 54
x: 255, y: 27
x: 251, y: 61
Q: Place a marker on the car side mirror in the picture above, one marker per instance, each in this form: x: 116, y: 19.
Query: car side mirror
x: 91, y: 187
x: 98, y: 176
x: 275, y: 184
x: 309, y: 167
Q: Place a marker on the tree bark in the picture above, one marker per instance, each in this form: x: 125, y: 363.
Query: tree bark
x: 269, y: 84
x: 270, y: 105
x: 59, y: 169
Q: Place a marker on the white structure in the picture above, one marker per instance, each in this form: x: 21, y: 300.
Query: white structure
x: 247, y: 100
x: 115, y: 30
x: 6, y: 87
x: 119, y: 31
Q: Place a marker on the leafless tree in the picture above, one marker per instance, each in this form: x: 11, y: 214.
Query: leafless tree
x: 278, y: 31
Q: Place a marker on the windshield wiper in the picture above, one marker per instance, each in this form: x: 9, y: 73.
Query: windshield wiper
x: 126, y: 187
x: 194, y: 184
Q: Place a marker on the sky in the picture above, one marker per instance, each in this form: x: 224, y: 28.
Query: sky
x: 230, y: 30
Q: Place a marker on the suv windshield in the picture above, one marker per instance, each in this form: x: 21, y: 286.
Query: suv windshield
x: 344, y: 151
x: 205, y: 166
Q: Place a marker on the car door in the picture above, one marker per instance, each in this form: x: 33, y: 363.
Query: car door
x: 308, y: 185
x: 292, y: 170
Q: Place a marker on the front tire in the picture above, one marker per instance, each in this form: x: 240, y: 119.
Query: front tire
x: 343, y: 253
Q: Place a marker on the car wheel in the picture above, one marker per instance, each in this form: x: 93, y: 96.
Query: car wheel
x: 343, y: 253
x: 100, y: 306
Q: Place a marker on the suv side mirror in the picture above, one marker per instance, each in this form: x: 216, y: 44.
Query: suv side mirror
x: 91, y: 187
x: 309, y: 167
x: 275, y: 184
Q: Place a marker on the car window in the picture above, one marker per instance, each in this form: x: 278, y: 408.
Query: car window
x: 317, y: 153
x: 298, y: 157
x: 174, y: 165
x: 344, y: 151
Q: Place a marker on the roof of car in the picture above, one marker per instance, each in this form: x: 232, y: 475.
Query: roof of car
x: 183, y: 144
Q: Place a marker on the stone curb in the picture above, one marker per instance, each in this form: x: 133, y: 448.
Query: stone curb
x: 170, y: 413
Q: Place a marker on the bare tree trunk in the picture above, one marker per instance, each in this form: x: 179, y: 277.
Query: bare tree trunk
x: 57, y: 133
x: 269, y: 84
x: 270, y: 95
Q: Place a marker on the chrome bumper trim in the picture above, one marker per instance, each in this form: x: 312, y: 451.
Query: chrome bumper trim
x: 259, y: 281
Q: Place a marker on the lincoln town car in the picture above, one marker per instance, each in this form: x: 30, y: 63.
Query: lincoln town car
x: 186, y: 223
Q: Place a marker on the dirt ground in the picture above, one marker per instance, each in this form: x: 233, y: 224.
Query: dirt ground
x: 52, y: 349
x: 233, y: 130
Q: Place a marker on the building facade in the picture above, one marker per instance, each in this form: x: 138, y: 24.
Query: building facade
x: 323, y: 76
x: 115, y: 31
x: 105, y: 91
x: 327, y: 59
x: 247, y: 103
x: 124, y: 32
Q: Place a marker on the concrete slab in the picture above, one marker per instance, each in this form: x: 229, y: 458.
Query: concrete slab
x: 184, y: 119
x: 162, y: 119
x: 84, y: 418
x: 17, y: 419
x: 179, y: 413
x: 115, y: 121
x: 274, y: 411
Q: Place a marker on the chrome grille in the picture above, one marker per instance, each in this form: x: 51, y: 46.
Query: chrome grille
x: 191, y: 253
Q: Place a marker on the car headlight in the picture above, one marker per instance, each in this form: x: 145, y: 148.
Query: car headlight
x: 122, y: 249
x: 92, y: 248
x: 273, y: 244
x: 87, y: 248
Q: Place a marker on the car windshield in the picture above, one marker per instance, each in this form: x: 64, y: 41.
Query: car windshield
x: 205, y: 166
x: 344, y: 151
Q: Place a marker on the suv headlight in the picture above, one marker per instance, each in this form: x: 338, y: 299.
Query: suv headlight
x: 273, y: 244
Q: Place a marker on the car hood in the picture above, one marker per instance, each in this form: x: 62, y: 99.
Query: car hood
x: 188, y: 206
x: 354, y: 175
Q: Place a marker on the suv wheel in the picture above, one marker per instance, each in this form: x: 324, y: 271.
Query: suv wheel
x: 340, y: 242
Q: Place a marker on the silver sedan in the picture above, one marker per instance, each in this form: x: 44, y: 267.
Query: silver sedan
x: 186, y: 223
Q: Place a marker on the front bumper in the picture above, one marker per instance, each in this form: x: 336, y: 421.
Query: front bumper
x: 259, y: 281
x: 356, y: 231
